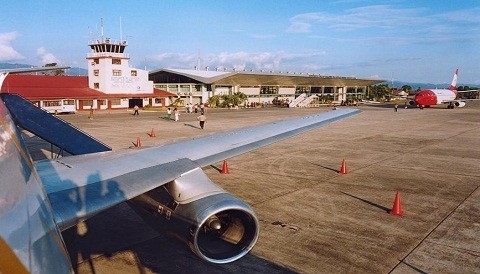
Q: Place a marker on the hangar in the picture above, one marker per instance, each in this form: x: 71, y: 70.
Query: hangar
x: 196, y: 86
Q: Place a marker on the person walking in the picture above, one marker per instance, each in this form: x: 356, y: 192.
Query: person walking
x: 396, y: 107
x: 202, y: 118
x: 169, y: 114
x: 135, y: 108
x: 176, y: 114
x: 91, y: 113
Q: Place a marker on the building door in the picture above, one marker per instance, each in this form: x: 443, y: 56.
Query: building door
x: 135, y: 101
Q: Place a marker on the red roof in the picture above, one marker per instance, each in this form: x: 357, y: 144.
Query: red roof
x: 59, y: 87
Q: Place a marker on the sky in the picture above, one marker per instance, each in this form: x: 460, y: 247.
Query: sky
x: 412, y: 41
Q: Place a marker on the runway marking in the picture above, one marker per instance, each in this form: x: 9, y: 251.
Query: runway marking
x: 431, y: 231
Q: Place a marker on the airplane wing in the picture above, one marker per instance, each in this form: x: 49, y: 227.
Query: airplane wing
x: 109, y: 178
x: 470, y: 90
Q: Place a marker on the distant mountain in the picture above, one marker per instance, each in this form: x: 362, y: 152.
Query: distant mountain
x: 77, y: 71
x: 415, y: 86
x: 13, y: 66
x: 74, y: 71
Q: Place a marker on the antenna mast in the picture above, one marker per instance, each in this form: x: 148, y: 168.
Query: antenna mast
x: 121, y: 32
x: 101, y: 26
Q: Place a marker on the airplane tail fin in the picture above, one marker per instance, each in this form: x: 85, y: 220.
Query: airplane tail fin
x: 453, y: 85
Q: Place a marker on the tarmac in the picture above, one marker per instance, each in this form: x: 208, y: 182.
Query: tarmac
x: 312, y: 219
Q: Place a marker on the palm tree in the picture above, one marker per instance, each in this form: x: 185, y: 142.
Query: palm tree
x: 214, y: 100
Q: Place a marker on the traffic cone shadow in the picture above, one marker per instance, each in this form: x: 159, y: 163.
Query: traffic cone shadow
x: 225, y: 168
x: 343, y: 168
x: 397, y: 206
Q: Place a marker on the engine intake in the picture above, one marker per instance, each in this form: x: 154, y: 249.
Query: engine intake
x: 217, y: 226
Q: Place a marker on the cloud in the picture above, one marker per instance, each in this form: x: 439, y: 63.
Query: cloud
x: 241, y: 60
x: 7, y: 52
x: 46, y: 57
x: 376, y: 16
x: 367, y: 23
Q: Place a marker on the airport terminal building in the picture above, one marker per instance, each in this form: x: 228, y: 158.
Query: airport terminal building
x: 196, y: 86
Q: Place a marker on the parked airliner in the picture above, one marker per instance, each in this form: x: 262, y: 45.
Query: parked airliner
x: 166, y: 186
x: 430, y: 97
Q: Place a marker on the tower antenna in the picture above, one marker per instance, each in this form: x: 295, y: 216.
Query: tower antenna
x: 121, y: 32
x: 101, y: 27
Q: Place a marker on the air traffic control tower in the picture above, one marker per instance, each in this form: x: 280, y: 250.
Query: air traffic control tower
x: 109, y: 70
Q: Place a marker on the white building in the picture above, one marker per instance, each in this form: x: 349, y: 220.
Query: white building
x: 109, y: 70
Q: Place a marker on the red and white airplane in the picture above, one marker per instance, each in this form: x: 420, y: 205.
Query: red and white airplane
x: 429, y: 97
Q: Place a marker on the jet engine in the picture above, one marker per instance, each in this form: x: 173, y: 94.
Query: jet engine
x: 459, y: 104
x: 217, y: 226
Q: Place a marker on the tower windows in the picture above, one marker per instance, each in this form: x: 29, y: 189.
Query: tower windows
x: 117, y: 72
x: 116, y: 61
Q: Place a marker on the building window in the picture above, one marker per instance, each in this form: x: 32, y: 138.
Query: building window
x: 133, y: 73
x: 117, y: 72
x: 96, y: 85
x: 116, y: 61
x: 51, y: 103
x: 115, y: 102
x: 173, y: 88
x: 68, y: 102
x: 302, y: 89
x: 185, y: 88
x: 96, y: 72
x: 269, y: 90
x: 96, y: 61
x: 87, y: 103
x: 162, y: 87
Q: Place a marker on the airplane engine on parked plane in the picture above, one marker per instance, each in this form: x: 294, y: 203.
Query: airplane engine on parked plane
x: 459, y: 104
x: 217, y: 226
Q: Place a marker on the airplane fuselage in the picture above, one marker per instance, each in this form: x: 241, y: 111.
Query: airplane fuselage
x: 430, y: 97
x: 29, y: 237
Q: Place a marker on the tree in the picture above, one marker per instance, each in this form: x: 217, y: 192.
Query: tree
x: 214, y: 100
x: 406, y: 88
x: 54, y: 72
x: 380, y: 92
x: 235, y: 99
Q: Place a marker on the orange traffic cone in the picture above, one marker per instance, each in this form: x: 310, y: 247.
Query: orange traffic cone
x: 225, y: 168
x: 397, y: 206
x: 138, y: 143
x: 152, y: 133
x: 343, y: 168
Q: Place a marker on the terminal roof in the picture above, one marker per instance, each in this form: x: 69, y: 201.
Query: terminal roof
x: 250, y: 78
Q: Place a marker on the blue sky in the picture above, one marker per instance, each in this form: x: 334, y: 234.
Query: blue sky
x: 416, y: 41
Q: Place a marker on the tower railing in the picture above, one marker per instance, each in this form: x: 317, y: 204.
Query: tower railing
x: 107, y: 54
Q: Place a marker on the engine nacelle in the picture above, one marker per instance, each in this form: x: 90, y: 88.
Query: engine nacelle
x: 459, y: 104
x: 217, y: 226
x: 411, y: 102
